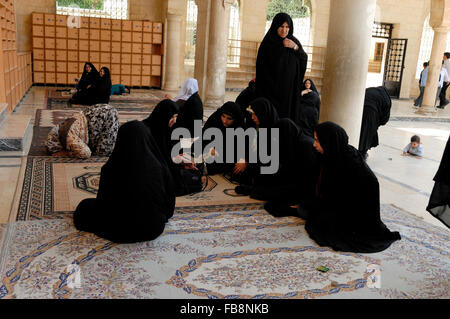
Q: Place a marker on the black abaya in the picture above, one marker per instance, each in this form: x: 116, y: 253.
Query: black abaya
x: 215, y: 121
x: 345, y: 212
x: 136, y: 196
x: 280, y: 70
x: 103, y: 88
x: 190, y: 111
x: 377, y: 110
x: 439, y: 203
x: 298, y: 167
x: 85, y: 95
x: 245, y: 98
x: 309, y: 108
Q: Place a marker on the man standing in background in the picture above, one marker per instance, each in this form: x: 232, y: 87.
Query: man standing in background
x: 442, y: 96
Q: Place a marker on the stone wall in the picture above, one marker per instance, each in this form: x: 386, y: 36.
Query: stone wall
x: 23, y: 10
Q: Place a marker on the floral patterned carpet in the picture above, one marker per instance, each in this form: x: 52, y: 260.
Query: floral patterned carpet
x: 52, y: 187
x: 238, y: 254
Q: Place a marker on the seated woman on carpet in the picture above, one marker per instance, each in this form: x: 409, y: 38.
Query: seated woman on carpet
x: 136, y: 195
x: 186, y: 176
x: 191, y: 106
x: 102, y: 88
x: 90, y: 132
x: 344, y: 213
x: 85, y: 93
x: 263, y: 115
x: 228, y: 115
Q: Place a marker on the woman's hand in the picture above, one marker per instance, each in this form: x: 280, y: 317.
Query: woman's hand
x: 306, y: 91
x: 288, y: 43
x: 190, y: 166
x: 168, y: 96
x: 239, y: 167
x: 88, y: 87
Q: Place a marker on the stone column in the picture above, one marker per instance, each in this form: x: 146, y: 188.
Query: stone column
x: 201, y: 45
x: 173, y: 71
x: 217, y: 53
x: 440, y: 22
x: 434, y: 69
x: 348, y: 49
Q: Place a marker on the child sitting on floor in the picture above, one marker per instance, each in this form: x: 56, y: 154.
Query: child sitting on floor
x: 414, y: 148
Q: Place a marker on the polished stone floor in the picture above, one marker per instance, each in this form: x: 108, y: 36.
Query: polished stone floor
x: 404, y: 181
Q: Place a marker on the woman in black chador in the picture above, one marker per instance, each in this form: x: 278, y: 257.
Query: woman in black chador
x: 136, y: 193
x: 439, y: 204
x: 228, y: 115
x: 103, y: 87
x: 263, y: 116
x: 86, y: 93
x: 377, y: 110
x: 344, y: 213
x: 297, y: 171
x: 281, y: 66
x: 309, y: 108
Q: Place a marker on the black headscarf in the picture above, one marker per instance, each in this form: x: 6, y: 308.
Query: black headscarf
x: 265, y: 111
x: 191, y: 110
x: 378, y: 99
x: 246, y: 97
x: 136, y: 196
x: 377, y: 110
x: 230, y: 108
x: 346, y: 213
x: 88, y: 78
x: 103, y: 87
x: 280, y: 70
x: 158, y: 122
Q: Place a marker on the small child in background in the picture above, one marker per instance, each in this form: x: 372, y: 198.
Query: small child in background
x: 414, y: 148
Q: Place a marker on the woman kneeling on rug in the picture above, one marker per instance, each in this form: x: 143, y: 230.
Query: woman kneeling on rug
x: 345, y: 212
x: 90, y: 132
x: 136, y: 195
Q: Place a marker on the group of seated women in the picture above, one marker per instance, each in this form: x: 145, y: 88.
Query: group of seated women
x: 321, y: 179
x: 93, y: 87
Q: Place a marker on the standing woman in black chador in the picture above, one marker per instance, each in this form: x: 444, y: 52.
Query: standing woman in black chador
x: 377, y: 110
x: 439, y: 203
x: 309, y: 108
x: 85, y: 93
x: 281, y: 66
x: 344, y: 213
x: 103, y: 87
x: 136, y: 194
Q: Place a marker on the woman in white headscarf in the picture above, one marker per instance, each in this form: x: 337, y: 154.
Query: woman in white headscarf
x: 189, y: 87
x: 191, y: 106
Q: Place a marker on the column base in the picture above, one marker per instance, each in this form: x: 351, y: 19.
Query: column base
x: 426, y: 110
x: 215, y: 103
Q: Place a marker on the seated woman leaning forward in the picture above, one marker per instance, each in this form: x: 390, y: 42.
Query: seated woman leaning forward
x: 228, y: 115
x: 90, y: 132
x: 136, y: 194
x: 344, y: 214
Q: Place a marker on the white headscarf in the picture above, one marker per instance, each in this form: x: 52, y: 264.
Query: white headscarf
x: 189, y: 87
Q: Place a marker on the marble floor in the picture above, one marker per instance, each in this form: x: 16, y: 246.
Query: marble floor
x: 404, y: 181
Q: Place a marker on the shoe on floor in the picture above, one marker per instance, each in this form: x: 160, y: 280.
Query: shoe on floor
x: 243, y: 189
